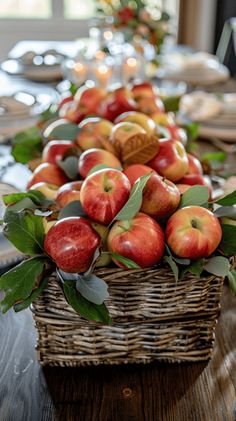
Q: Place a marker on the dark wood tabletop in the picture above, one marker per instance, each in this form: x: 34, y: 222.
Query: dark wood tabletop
x: 153, y: 392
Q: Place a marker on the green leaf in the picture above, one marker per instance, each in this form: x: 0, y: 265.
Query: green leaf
x: 217, y: 265
x: 22, y: 204
x: 70, y: 167
x: 195, y: 268
x: 171, y: 103
x: 228, y: 241
x: 32, y: 297
x: 72, y: 209
x: 228, y: 200
x: 214, y: 157
x: 179, y: 260
x: 192, y: 130
x: 19, y: 282
x: 49, y: 114
x: 36, y: 196
x: 196, y: 195
x: 173, y: 266
x: 132, y: 206
x: 27, y: 145
x: 88, y: 310
x: 98, y: 168
x: 229, y: 211
x: 62, y: 130
x: 232, y: 280
x: 25, y: 231
x: 128, y: 263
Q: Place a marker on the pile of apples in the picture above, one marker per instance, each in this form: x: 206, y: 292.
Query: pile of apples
x: 123, y: 132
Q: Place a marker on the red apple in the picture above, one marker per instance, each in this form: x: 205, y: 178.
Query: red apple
x: 140, y: 239
x: 103, y: 194
x: 197, y: 179
x: 113, y: 107
x: 161, y: 197
x: 141, y: 90
x: 150, y: 105
x: 90, y: 98
x: 177, y: 133
x: 71, y: 243
x: 72, y: 112
x: 49, y: 173
x: 69, y: 192
x: 171, y: 160
x: 55, y: 150
x: 193, y: 232
x: 92, y: 130
x: 65, y: 99
x: 139, y: 118
x: 194, y: 165
x: 49, y: 190
x: 88, y: 159
x: 134, y: 171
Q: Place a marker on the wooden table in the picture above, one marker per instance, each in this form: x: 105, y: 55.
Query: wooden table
x: 155, y: 392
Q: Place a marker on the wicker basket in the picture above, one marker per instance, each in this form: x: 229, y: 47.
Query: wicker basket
x: 154, y: 318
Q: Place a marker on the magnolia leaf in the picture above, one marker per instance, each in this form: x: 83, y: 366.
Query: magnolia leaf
x: 228, y: 241
x: 32, y: 134
x: 88, y: 310
x: 139, y: 149
x: 232, y: 280
x: 23, y: 204
x: 128, y: 263
x: 217, y: 265
x: 72, y: 209
x: 192, y: 130
x: 132, y: 206
x: 70, y: 167
x: 229, y: 211
x: 92, y: 288
x: 196, y: 195
x: 35, y: 293
x: 96, y: 255
x: 214, y: 156
x: 61, y: 130
x: 179, y: 260
x: 98, y: 168
x: 228, y: 200
x: 50, y: 113
x: 171, y: 103
x: 19, y: 282
x: 195, y: 268
x: 173, y: 266
x: 36, y: 196
x: 26, y: 231
x: 27, y: 145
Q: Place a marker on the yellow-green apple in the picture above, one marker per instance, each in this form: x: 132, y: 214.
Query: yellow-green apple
x: 161, y: 197
x: 91, y: 131
x: 150, y: 105
x: 55, y: 150
x: 141, y: 90
x: 182, y: 187
x: 193, y: 232
x: 135, y: 171
x: 197, y: 179
x: 105, y: 258
x: 194, y: 165
x: 121, y: 132
x: 163, y: 119
x: 89, y: 98
x: 139, y: 118
x: 140, y: 239
x: 171, y: 161
x: 69, y: 192
x: 49, y: 173
x: 95, y: 156
x: 71, y: 243
x: 49, y: 190
x: 48, y: 224
x: 103, y: 194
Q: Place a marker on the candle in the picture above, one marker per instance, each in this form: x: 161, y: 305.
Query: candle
x: 80, y: 72
x: 103, y: 73
x: 130, y: 68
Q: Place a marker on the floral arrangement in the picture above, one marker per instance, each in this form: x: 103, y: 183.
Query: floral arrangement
x: 115, y: 192
x: 137, y: 19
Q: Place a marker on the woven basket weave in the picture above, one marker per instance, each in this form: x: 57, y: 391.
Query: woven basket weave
x: 154, y: 318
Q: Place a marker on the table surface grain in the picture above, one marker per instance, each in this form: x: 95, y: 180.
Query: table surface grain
x: 153, y: 392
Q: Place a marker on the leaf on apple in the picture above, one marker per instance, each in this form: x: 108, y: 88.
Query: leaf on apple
x: 27, y: 145
x: 61, y: 129
x: 128, y: 263
x: 228, y: 211
x: 217, y: 265
x: 19, y: 282
x: 132, y: 206
x: 139, y: 149
x: 232, y: 280
x: 98, y: 168
x: 70, y: 167
x: 72, y: 209
x: 25, y: 231
x: 195, y: 195
x: 228, y: 241
x: 228, y: 200
x: 86, y: 309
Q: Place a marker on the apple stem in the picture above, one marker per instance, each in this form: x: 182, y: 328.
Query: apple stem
x: 194, y: 223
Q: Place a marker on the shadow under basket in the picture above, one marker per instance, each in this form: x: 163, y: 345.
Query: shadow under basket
x: 154, y: 318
